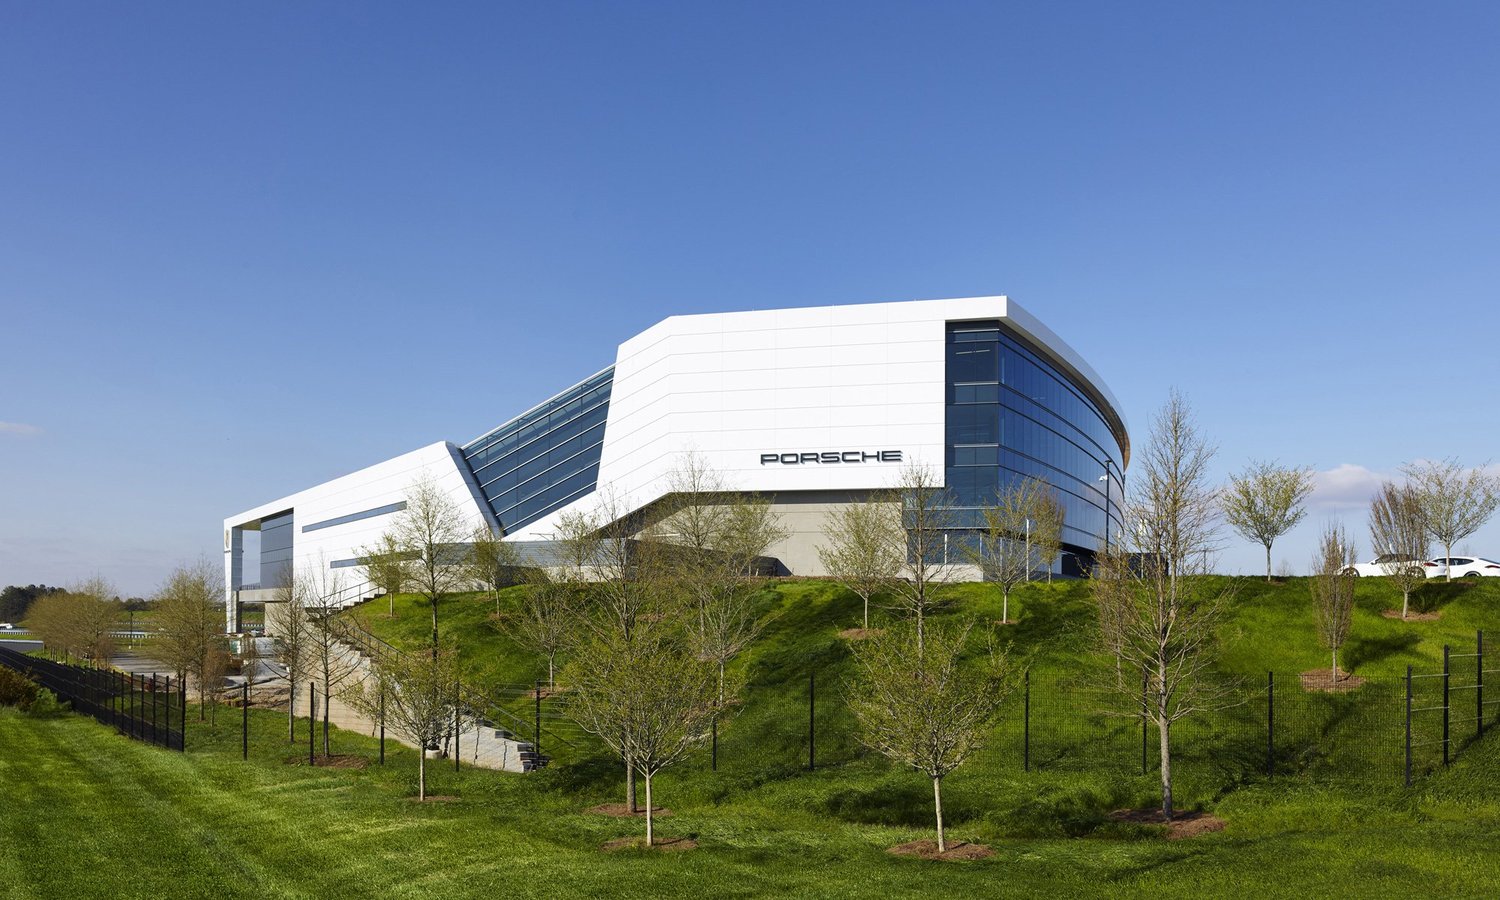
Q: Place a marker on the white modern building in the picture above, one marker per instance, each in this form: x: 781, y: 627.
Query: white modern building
x: 810, y: 407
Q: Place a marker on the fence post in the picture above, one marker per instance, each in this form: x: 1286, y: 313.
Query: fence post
x: 155, y: 737
x: 1270, y: 724
x: 457, y: 722
x: 1446, y: 671
x: 536, y: 744
x: 812, y: 679
x: 166, y: 711
x: 1026, y: 727
x: 1145, y: 690
x: 382, y: 723
x: 312, y: 719
x: 1479, y: 680
x: 1408, y: 726
x: 182, y: 705
x: 245, y: 722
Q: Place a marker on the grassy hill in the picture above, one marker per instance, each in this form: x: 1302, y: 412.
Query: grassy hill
x: 91, y: 814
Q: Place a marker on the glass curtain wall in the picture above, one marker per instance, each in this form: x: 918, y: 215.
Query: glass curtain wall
x: 545, y: 458
x: 1011, y: 415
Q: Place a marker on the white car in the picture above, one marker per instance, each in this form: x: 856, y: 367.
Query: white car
x: 1386, y: 562
x: 1469, y: 566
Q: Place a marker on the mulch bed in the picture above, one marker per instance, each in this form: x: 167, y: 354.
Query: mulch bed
x: 665, y: 845
x: 927, y: 849
x: 622, y: 811
x: 1413, y: 616
x: 336, y: 761
x: 1322, y: 680
x: 859, y: 634
x: 1183, y: 825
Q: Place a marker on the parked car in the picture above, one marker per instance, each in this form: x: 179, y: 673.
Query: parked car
x: 6, y: 626
x: 1469, y: 566
x: 1386, y: 562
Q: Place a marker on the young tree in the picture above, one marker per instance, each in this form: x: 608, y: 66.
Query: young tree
x: 431, y: 532
x: 329, y: 659
x: 493, y: 562
x: 388, y: 567
x: 413, y: 693
x: 80, y: 622
x: 1157, y: 604
x: 1045, y: 537
x: 1006, y: 550
x: 1397, y: 530
x: 1333, y: 590
x: 1265, y: 501
x: 926, y: 516
x: 920, y: 705
x: 648, y: 698
x: 190, y: 625
x: 865, y: 547
x: 292, y: 628
x: 547, y: 618
x: 1455, y: 502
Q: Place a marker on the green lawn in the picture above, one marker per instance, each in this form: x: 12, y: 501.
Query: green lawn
x: 90, y: 814
x: 85, y: 813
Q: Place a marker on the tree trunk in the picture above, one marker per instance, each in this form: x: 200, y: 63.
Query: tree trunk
x: 327, y: 702
x: 434, y: 628
x: 1405, y: 603
x: 1335, y: 664
x: 551, y: 671
x: 1448, y: 573
x: 390, y: 599
x: 921, y: 644
x: 867, y: 612
x: 291, y: 712
x: 937, y: 805
x: 1005, y: 605
x: 650, y: 834
x: 1164, y: 730
x: 422, y: 772
x: 1268, y: 563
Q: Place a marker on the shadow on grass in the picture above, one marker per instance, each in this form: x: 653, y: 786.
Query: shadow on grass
x: 1364, y: 651
x: 1438, y: 594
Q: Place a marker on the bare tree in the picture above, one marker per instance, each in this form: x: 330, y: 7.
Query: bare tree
x: 493, y: 563
x: 329, y: 660
x: 865, y: 548
x: 431, y: 531
x: 190, y: 625
x: 1333, y: 590
x: 918, y: 704
x: 413, y: 694
x: 926, y: 516
x: 1455, y: 502
x: 389, y: 567
x: 648, y: 698
x: 1006, y: 550
x: 1266, y: 501
x: 547, y: 618
x: 1157, y: 604
x: 1044, y: 540
x: 1399, y: 533
x: 292, y: 628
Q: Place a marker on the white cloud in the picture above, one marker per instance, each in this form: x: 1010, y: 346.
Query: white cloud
x: 1344, y: 487
x: 19, y: 428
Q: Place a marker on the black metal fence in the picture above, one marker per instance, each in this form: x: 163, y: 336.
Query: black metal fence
x: 1369, y: 729
x: 149, y: 708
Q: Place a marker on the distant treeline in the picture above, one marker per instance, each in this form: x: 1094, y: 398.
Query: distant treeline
x: 16, y: 601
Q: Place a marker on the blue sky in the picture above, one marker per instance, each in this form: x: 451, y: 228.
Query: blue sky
x: 231, y: 233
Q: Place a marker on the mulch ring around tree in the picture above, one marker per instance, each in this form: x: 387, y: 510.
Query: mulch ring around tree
x: 859, y: 634
x: 928, y: 849
x: 1183, y: 825
x: 1322, y: 680
x: 665, y: 845
x: 622, y: 811
x: 336, y: 761
x: 1413, y: 616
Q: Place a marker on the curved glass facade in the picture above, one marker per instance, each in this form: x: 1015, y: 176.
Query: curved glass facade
x: 546, y: 457
x: 1011, y: 414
